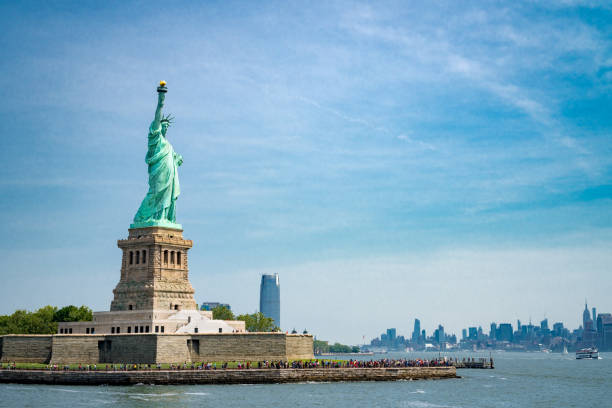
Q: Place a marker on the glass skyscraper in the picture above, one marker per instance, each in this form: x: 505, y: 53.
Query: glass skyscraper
x: 269, y: 297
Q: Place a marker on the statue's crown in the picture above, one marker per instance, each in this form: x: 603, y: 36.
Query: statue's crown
x: 169, y: 119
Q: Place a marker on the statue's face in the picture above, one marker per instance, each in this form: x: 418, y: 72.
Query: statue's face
x: 164, y: 127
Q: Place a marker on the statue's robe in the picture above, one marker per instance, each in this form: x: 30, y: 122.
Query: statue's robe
x: 164, y: 189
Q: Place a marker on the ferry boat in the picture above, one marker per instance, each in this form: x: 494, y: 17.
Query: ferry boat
x: 588, y: 353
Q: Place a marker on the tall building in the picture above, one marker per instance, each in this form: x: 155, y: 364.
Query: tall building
x: 589, y: 333
x: 269, y: 297
x: 391, y: 334
x: 493, y: 331
x: 473, y: 333
x: 594, y: 317
x: 439, y: 334
x: 604, y: 329
x: 558, y: 329
x: 417, y: 330
x: 505, y: 332
x: 586, y: 316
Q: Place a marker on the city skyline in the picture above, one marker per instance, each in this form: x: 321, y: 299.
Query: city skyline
x: 595, y: 331
x: 388, y: 161
x: 435, y: 324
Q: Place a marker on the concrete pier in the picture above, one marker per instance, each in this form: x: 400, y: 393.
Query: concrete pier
x: 475, y: 363
x: 231, y: 376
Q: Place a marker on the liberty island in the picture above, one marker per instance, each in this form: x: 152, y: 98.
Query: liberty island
x: 154, y: 319
x: 153, y: 316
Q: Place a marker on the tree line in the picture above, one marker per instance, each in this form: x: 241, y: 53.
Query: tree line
x: 323, y: 347
x: 254, y: 322
x: 45, y: 319
x: 42, y: 321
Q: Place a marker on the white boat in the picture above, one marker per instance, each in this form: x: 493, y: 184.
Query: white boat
x: 587, y: 353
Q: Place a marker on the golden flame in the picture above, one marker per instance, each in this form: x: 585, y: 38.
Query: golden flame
x: 162, y: 83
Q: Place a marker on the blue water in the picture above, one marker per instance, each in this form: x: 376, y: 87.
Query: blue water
x: 519, y: 380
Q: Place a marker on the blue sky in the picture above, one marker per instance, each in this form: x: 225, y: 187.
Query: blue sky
x: 390, y: 160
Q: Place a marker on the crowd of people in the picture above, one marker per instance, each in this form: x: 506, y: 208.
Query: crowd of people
x: 279, y: 364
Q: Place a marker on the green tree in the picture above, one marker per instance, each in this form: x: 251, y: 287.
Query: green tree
x: 73, y: 314
x: 320, y: 347
x: 222, y: 313
x: 339, y: 348
x: 257, y: 322
x: 24, y: 322
x: 42, y: 321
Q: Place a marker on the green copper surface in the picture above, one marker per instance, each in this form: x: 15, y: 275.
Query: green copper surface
x: 159, y: 206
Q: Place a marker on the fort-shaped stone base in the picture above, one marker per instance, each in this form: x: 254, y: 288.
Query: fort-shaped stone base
x: 154, y: 348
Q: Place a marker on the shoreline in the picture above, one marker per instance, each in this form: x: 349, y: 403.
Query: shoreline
x: 227, y: 376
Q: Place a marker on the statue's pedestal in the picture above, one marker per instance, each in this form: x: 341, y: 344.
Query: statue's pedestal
x: 154, y: 271
x: 154, y: 294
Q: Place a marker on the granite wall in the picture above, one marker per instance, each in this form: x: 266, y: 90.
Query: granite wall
x: 26, y: 348
x: 154, y: 348
x: 299, y: 347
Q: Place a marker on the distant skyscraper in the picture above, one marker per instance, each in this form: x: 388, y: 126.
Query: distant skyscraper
x: 269, y: 297
x: 505, y: 332
x: 439, y: 334
x: 493, y: 331
x: 464, y: 334
x: 473, y: 333
x: 586, y: 316
x: 417, y: 330
x: 594, y: 317
x: 391, y: 334
x: 604, y: 328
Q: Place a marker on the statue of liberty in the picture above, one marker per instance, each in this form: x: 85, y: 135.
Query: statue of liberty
x: 159, y: 206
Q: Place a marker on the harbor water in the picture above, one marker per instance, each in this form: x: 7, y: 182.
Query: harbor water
x: 518, y: 380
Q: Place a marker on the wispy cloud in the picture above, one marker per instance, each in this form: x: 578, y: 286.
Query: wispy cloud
x: 437, y: 50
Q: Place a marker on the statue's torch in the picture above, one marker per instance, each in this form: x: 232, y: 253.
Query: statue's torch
x: 162, y: 87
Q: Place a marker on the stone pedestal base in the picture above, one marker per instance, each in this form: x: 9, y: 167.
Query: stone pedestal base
x: 154, y: 271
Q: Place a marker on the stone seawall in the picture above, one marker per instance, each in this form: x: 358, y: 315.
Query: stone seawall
x: 252, y: 376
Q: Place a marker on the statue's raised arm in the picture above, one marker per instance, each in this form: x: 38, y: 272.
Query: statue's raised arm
x: 161, y: 96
